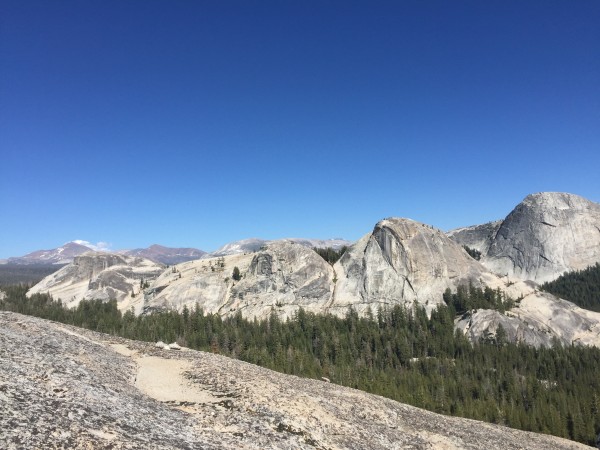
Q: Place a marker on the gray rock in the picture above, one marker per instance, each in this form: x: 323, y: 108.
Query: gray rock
x: 547, y: 234
x: 478, y: 237
x: 401, y: 262
x: 538, y: 318
x: 167, y: 255
x: 253, y: 245
x: 102, y: 276
x: 73, y: 388
x: 482, y: 325
x: 280, y: 278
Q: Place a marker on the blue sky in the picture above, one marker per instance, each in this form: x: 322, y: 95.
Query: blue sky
x: 195, y: 123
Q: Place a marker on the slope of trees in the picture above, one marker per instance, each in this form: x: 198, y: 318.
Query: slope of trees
x: 26, y: 273
x: 331, y: 255
x: 473, y: 253
x: 398, y: 353
x: 467, y: 298
x: 580, y: 287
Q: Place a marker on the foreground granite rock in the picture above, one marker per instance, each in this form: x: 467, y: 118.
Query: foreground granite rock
x: 63, y: 387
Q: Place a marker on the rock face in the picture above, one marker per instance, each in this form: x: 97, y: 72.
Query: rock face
x: 401, y: 262
x: 478, y: 237
x: 101, y: 276
x: 253, y: 245
x: 546, y: 235
x: 167, y: 255
x: 72, y: 388
x: 537, y: 318
x: 282, y: 277
x: 238, y: 247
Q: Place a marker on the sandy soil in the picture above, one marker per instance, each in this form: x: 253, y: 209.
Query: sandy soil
x: 164, y: 379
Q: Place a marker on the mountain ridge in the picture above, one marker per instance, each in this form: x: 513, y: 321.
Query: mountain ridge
x: 400, y: 262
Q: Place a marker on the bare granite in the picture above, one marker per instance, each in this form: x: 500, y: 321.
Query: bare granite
x: 64, y: 387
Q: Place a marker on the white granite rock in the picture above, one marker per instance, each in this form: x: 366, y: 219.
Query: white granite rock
x: 547, y: 234
x: 401, y: 262
x: 98, y: 275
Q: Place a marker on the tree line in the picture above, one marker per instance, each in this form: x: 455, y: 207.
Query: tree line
x: 581, y: 287
x: 331, y: 255
x: 399, y: 353
x: 26, y: 273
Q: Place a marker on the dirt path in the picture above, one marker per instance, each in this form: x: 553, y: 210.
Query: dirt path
x: 164, y: 380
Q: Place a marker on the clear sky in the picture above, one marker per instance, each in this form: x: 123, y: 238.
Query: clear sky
x: 195, y: 123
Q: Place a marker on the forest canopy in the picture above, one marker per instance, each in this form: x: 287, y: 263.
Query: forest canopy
x: 580, y: 287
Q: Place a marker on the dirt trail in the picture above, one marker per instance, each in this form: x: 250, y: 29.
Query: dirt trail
x: 163, y: 379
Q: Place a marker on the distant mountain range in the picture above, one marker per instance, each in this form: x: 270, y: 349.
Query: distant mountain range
x: 66, y: 253
x: 160, y: 254
x: 61, y: 255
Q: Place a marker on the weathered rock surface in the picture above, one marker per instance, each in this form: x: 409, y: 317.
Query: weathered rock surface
x: 547, y: 234
x: 537, y: 320
x: 250, y: 245
x: 478, y: 237
x: 282, y: 277
x: 104, y: 276
x: 253, y: 245
x: 167, y: 255
x: 401, y: 262
x: 63, y: 387
x: 544, y: 236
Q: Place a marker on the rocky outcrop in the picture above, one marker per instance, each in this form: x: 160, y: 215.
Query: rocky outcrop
x: 102, y: 276
x: 250, y: 245
x: 547, y: 234
x: 282, y: 277
x: 477, y: 237
x: 401, y: 262
x: 72, y: 388
x: 482, y: 325
x: 538, y: 318
x: 167, y: 255
x: 253, y: 245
